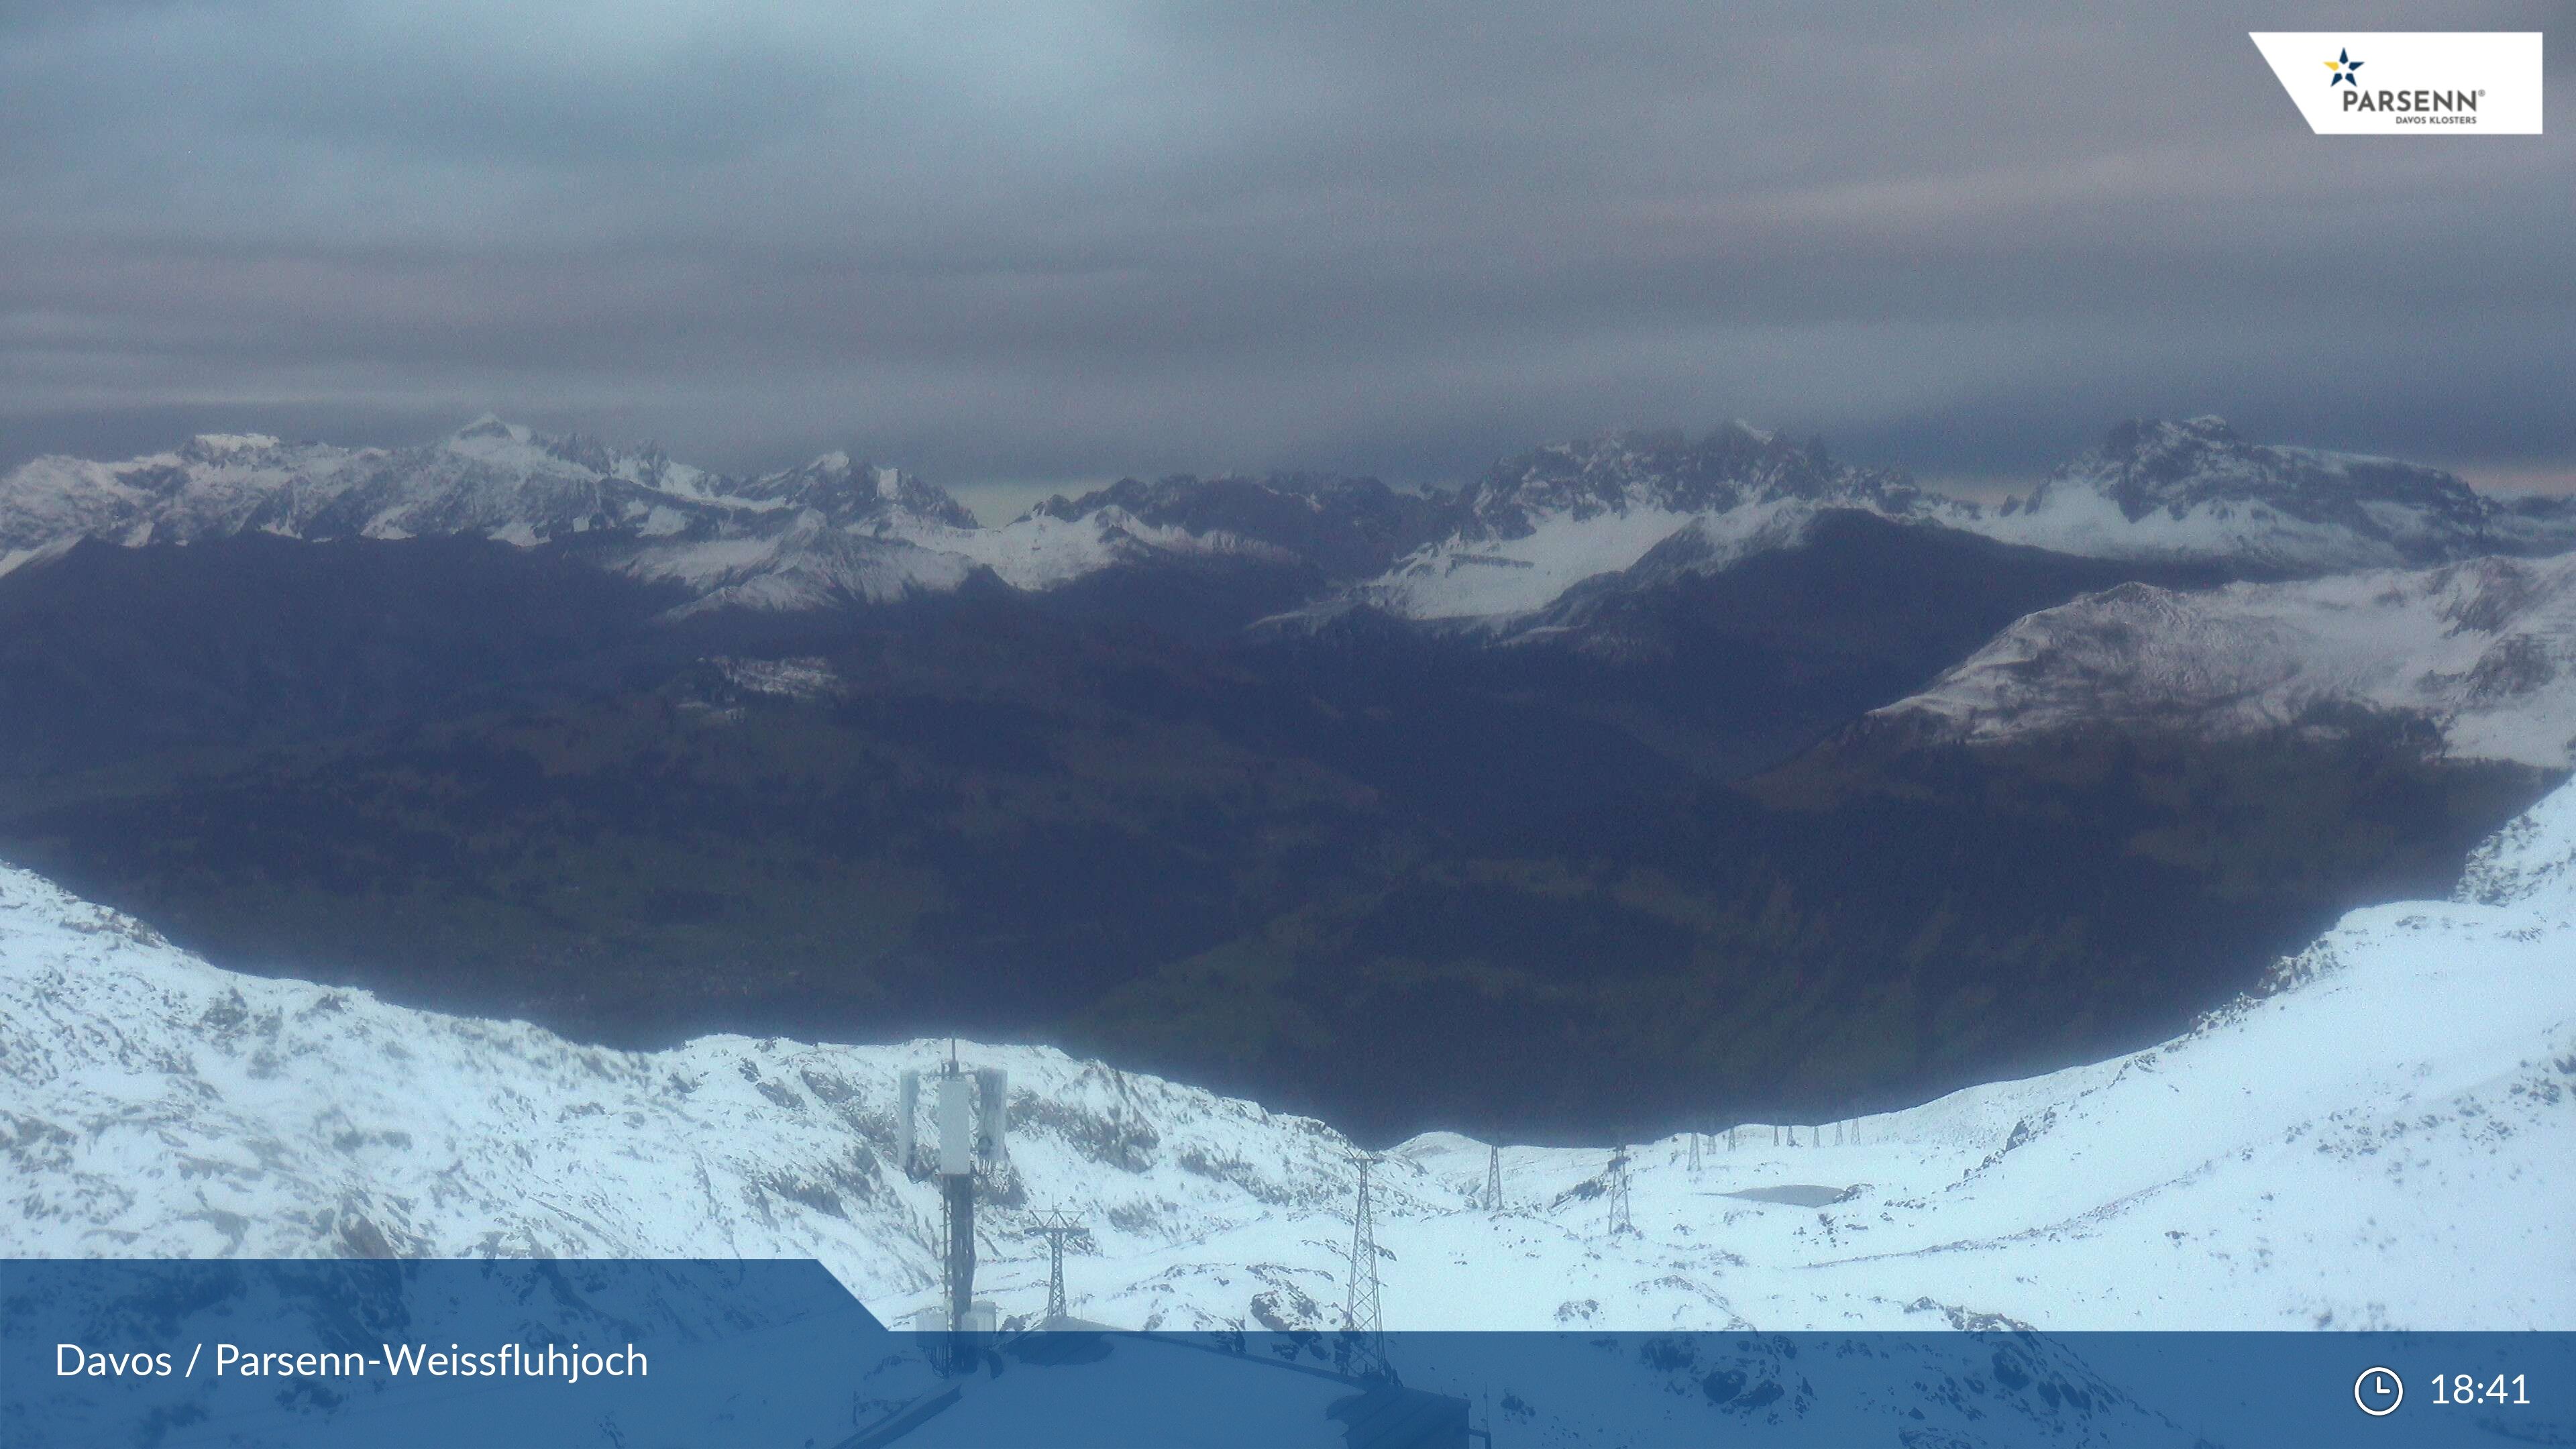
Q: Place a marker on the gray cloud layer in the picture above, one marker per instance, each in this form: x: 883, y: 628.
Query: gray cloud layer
x: 1065, y: 240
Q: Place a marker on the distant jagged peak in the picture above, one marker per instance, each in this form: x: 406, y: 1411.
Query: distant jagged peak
x: 855, y: 493
x: 1342, y: 526
x: 2198, y: 490
x: 489, y: 425
x: 1202, y: 504
x: 490, y: 477
x: 1733, y: 446
x: 2471, y: 661
x: 220, y: 447
x: 834, y: 464
x: 1536, y: 525
x: 500, y: 443
x: 1668, y: 470
x: 1510, y: 542
x: 2151, y: 433
x: 494, y: 442
x: 833, y: 485
x: 212, y: 453
x: 1176, y: 493
x: 2151, y: 463
x: 897, y: 489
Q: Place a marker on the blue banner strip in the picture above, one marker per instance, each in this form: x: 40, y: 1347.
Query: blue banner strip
x: 165, y: 1355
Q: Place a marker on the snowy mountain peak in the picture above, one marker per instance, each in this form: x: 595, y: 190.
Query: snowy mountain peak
x: 1342, y: 527
x: 2193, y: 492
x: 1506, y: 546
x: 881, y: 501
x: 2479, y: 656
x: 1664, y: 472
x: 216, y: 447
x: 489, y: 425
x: 1518, y: 538
x: 2197, y: 490
x: 504, y: 481
x: 2153, y: 464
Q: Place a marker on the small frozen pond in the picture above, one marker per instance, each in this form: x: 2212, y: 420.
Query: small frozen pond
x: 1795, y: 1194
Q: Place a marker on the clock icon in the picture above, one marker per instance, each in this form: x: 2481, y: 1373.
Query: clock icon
x: 2378, y: 1392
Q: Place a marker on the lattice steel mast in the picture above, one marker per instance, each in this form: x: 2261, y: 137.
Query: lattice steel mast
x: 1057, y: 1227
x: 1620, y: 1221
x: 1363, y: 1333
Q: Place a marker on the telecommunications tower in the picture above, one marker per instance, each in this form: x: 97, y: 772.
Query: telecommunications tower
x: 968, y: 1111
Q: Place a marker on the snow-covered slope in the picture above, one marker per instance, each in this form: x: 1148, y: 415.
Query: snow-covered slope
x: 1042, y: 548
x: 1539, y: 524
x: 2316, y: 1157
x: 786, y: 539
x: 2483, y: 653
x: 1337, y: 527
x: 218, y: 484
x: 807, y: 564
x: 1509, y: 544
x: 2197, y: 491
x: 829, y: 531
x: 2191, y: 492
x: 488, y: 477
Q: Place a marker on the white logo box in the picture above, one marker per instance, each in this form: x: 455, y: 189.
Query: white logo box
x: 2410, y: 83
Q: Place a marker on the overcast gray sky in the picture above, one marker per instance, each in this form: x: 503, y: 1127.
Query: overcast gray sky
x: 1025, y: 246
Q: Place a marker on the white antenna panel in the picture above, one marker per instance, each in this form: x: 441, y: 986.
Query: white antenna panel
x: 956, y: 1112
x: 907, y: 1112
x: 993, y: 1086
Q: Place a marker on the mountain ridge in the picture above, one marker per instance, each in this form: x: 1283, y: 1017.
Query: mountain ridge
x: 2483, y: 652
x: 1617, y: 508
x: 2198, y: 489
